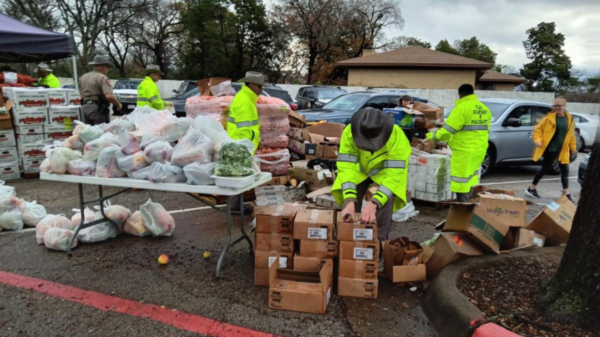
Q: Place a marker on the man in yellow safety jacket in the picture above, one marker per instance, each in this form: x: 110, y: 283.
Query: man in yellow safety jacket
x: 467, y: 131
x: 372, y: 150
x: 243, y: 117
x: 47, y: 79
x: 148, y: 94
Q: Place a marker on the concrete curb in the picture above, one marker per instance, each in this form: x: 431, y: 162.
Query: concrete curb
x: 447, y: 308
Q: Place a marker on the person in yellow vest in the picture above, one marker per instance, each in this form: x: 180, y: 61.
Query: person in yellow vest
x: 372, y: 150
x: 148, y: 94
x: 467, y: 131
x: 243, y: 120
x: 47, y: 79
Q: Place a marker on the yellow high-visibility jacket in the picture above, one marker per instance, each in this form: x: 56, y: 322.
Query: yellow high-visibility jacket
x: 148, y: 94
x: 243, y: 120
x: 468, y: 130
x: 51, y: 81
x: 544, y: 131
x: 387, y: 167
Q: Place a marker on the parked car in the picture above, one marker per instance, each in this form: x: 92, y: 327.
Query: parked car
x: 125, y: 90
x: 341, y: 109
x: 511, y: 132
x: 316, y: 97
x: 587, y: 125
x: 269, y: 91
x: 184, y: 87
x: 583, y: 168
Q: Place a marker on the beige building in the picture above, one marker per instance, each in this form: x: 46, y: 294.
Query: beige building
x: 421, y: 68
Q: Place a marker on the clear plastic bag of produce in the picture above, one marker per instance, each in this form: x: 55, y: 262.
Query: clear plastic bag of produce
x: 80, y: 167
x: 97, y: 233
x: 32, y: 213
x: 91, y: 150
x: 140, y: 174
x: 150, y: 138
x: 158, y: 221
x: 158, y: 152
x: 165, y: 173
x: 59, y: 239
x: 88, y: 214
x: 6, y: 191
x: 282, y: 109
x: 150, y: 123
x: 135, y: 225
x: 137, y: 112
x: 223, y: 89
x: 117, y: 213
x: 45, y: 166
x: 276, y: 162
x: 193, y: 147
x: 89, y: 133
x: 107, y: 167
x: 132, y: 163
x: 174, y: 128
x: 11, y: 220
x: 200, y: 174
x: 211, y: 129
x: 274, y: 141
x: 129, y: 144
x: 119, y: 124
x: 203, y: 106
x: 246, y: 142
x: 274, y: 125
x: 8, y: 203
x: 60, y: 157
x: 270, y: 100
x: 51, y: 221
x: 235, y: 160
x: 74, y: 142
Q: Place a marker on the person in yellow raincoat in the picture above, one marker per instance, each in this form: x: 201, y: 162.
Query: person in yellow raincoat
x: 243, y: 120
x: 47, y: 78
x: 148, y: 94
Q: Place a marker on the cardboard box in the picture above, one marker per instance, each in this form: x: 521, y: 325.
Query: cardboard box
x: 305, y: 263
x: 297, y: 146
x: 57, y: 96
x: 264, y: 259
x: 26, y: 116
x: 319, y: 248
x: 5, y: 122
x: 300, y: 291
x: 58, y: 131
x: 64, y: 114
x: 32, y: 165
x: 32, y: 150
x: 31, y: 138
x: 29, y: 98
x: 485, y: 189
x: 400, y: 118
x: 352, y: 250
x: 314, y: 225
x: 261, y: 277
x: 32, y: 129
x: 275, y: 219
x: 405, y: 252
x: 401, y: 273
x: 328, y: 150
x: 428, y: 111
x: 300, y: 134
x: 355, y: 231
x: 354, y: 287
x: 313, y: 179
x: 9, y: 155
x: 73, y: 97
x: 328, y: 201
x: 522, y: 238
x: 278, y: 195
x: 296, y: 119
x: 7, y: 139
x: 280, y: 180
x: 274, y: 242
x: 555, y: 221
x: 358, y: 269
x: 507, y: 209
x: 450, y: 247
x: 326, y: 132
x: 9, y: 171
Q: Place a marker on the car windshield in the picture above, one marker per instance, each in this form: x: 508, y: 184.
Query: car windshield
x: 193, y: 92
x: 497, y: 110
x: 127, y: 84
x: 281, y: 94
x: 347, y: 102
x: 329, y: 93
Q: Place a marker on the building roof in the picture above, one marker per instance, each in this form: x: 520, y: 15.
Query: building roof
x: 414, y: 57
x: 494, y: 76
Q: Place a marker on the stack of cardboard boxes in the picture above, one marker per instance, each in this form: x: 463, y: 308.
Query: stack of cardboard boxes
x: 359, y: 258
x: 9, y: 157
x: 315, y: 232
x: 315, y: 178
x: 279, y: 191
x: 318, y: 141
x: 429, y: 177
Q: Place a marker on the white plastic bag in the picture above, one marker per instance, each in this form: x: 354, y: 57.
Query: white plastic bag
x: 223, y: 89
x: 158, y: 152
x: 405, y: 213
x: 137, y: 112
x: 118, y: 214
x: 165, y: 173
x: 140, y: 174
x: 97, y: 233
x: 119, y: 124
x: 6, y: 191
x: 200, y: 174
x: 174, y: 128
x: 8, y: 203
x: 149, y: 123
x: 150, y: 138
x: 60, y: 157
x: 132, y: 163
x: 88, y: 214
x: 212, y: 129
x: 32, y: 213
x: 12, y: 220
x: 74, y: 142
x: 45, y: 166
x: 92, y: 150
x: 51, y: 221
x: 107, y: 167
x: 129, y: 144
x: 277, y: 163
x: 193, y: 147
x: 82, y: 167
x: 89, y: 133
x: 59, y: 239
x: 135, y: 225
x: 158, y: 221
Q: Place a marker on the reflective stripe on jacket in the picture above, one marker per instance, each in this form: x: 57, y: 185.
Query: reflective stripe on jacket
x: 50, y: 81
x: 467, y: 131
x: 243, y: 120
x: 148, y: 94
x: 544, y: 131
x: 387, y: 167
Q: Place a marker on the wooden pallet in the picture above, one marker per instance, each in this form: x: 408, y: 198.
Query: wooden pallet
x: 31, y: 175
x: 222, y: 200
x: 438, y: 205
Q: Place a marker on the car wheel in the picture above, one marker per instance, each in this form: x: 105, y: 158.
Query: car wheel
x: 581, y: 144
x: 486, y: 165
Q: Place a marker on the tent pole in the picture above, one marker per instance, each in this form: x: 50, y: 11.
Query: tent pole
x: 75, y: 77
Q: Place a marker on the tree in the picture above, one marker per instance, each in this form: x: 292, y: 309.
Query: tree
x: 445, y: 47
x: 403, y: 42
x: 573, y: 295
x: 549, y: 64
x: 505, y: 69
x: 474, y: 49
x: 40, y: 13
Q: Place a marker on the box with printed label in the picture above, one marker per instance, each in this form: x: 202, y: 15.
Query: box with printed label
x: 7, y: 139
x: 355, y: 287
x: 278, y: 195
x: 436, y: 188
x: 398, y: 272
x: 299, y: 290
x: 31, y: 138
x: 32, y: 149
x: 26, y: 116
x: 64, y: 114
x: 430, y: 196
x: 314, y: 225
x: 328, y: 201
x: 275, y: 219
x: 29, y: 98
x: 264, y: 259
x: 58, y: 131
x: 555, y: 221
x: 421, y: 186
x: 306, y: 263
x: 9, y: 155
x: 358, y: 269
x: 57, y: 96
x: 356, y: 250
x: 73, y: 97
x: 32, y: 165
x: 319, y: 248
x: 31, y: 129
x: 355, y: 230
x: 274, y: 242
x: 412, y: 169
x: 9, y: 171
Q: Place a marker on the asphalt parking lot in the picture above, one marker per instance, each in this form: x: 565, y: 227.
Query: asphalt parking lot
x: 126, y: 268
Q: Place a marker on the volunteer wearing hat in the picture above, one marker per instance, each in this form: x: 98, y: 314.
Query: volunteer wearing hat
x: 148, y: 94
x: 47, y: 79
x: 372, y: 150
x: 243, y: 117
x: 97, y: 93
x: 467, y: 131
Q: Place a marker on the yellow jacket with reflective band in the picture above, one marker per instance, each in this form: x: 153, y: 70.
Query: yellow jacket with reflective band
x: 387, y: 167
x: 243, y: 120
x: 467, y: 131
x: 148, y: 94
x: 544, y: 131
x: 51, y: 81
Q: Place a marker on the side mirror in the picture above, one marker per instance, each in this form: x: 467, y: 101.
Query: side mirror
x: 514, y: 122
x: 175, y: 91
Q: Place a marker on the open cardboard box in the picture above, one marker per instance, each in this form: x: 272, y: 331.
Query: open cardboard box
x: 322, y: 132
x: 402, y: 273
x: 314, y: 225
x: 555, y: 221
x: 299, y: 290
x: 522, y: 238
x: 296, y: 119
x: 310, y: 263
x: 449, y: 247
x: 431, y: 113
x: 355, y: 231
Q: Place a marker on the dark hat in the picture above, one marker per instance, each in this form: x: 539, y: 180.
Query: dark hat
x: 371, y: 129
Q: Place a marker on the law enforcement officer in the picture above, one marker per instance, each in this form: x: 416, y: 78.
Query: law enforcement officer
x: 97, y: 93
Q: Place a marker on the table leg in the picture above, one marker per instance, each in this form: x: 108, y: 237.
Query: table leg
x: 226, y: 247
x: 81, y: 208
x: 244, y: 235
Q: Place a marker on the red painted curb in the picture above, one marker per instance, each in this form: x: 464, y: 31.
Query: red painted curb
x: 178, y: 319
